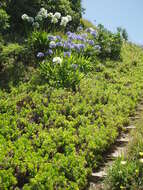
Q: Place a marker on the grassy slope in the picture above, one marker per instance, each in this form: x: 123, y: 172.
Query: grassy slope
x: 50, y: 139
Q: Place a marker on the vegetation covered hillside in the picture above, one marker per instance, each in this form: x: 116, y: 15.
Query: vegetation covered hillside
x: 65, y: 96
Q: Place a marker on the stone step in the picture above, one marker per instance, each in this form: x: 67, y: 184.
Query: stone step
x: 135, y: 117
x: 130, y: 127
x: 98, y: 186
x: 118, y: 152
x: 95, y: 177
x: 123, y: 140
x: 140, y: 108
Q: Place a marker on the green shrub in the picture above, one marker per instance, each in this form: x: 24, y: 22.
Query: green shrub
x: 67, y: 74
x: 4, y: 20
x: 110, y: 43
x: 52, y: 138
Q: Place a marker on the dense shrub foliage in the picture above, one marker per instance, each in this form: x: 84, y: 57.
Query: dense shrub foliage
x: 4, y: 20
x: 51, y: 138
x: 65, y: 94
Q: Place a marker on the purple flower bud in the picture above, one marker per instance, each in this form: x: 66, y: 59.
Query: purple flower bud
x: 84, y: 35
x: 68, y: 53
x: 50, y: 51
x: 52, y: 38
x: 69, y: 33
x: 79, y: 47
x: 40, y: 54
x: 59, y: 44
x: 91, y: 42
x: 82, y: 46
x: 58, y: 38
x: 67, y: 45
x: 93, y: 33
x: 52, y: 44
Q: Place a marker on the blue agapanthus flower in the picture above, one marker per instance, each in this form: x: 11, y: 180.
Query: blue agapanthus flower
x: 52, y: 44
x: 68, y: 53
x: 59, y: 38
x: 40, y: 54
x: 68, y: 44
x: 94, y: 34
x: 50, y: 51
x: 59, y: 44
x: 82, y: 46
x: 79, y: 47
x: 52, y: 38
x: 91, y: 42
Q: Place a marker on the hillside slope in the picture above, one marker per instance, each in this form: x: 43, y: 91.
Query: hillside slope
x: 52, y: 138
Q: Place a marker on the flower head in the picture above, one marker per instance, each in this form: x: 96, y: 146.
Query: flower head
x: 54, y: 20
x: 43, y: 13
x: 36, y: 25
x: 57, y: 15
x: 68, y: 53
x: 123, y: 162
x: 31, y: 19
x: 59, y: 44
x: 52, y: 44
x: 141, y: 153
x: 25, y: 17
x: 52, y: 38
x: 69, y: 18
x: 64, y: 21
x: 57, y: 60
x: 58, y: 38
x: 39, y: 17
x: 50, y: 15
x: 49, y: 52
x: 91, y: 42
x: 40, y: 54
x: 141, y: 160
x: 93, y: 33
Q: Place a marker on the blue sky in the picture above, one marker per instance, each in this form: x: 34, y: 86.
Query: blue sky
x: 113, y: 13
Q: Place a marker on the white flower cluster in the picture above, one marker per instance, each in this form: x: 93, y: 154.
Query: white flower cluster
x: 57, y: 60
x: 25, y: 17
x: 65, y: 20
x: 55, y: 17
x: 42, y: 14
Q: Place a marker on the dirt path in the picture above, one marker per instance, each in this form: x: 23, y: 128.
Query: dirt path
x: 117, y: 150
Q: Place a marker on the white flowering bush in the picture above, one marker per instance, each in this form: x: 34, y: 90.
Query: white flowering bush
x: 48, y: 18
